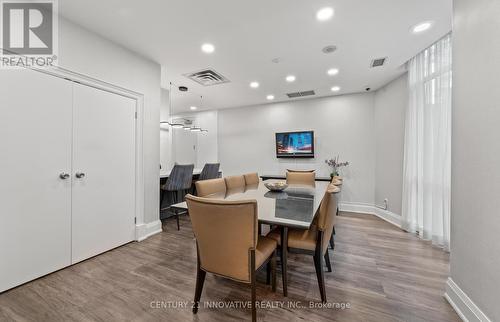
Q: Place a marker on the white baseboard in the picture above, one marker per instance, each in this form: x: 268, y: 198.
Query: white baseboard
x: 362, y: 208
x: 143, y: 231
x: 462, y: 304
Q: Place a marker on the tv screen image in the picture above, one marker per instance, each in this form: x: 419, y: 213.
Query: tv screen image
x: 295, y: 144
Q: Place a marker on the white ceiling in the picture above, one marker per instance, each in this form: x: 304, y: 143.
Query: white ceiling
x: 248, y: 34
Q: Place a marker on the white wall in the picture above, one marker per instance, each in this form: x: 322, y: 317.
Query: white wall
x: 390, y: 110
x: 342, y: 125
x: 475, y: 202
x: 165, y: 132
x: 184, y: 146
x: 89, y: 54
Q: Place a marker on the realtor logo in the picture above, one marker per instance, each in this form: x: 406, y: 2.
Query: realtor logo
x: 29, y: 37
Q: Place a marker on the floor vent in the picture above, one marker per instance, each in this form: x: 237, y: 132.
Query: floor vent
x: 378, y: 62
x: 300, y: 94
x: 207, y: 77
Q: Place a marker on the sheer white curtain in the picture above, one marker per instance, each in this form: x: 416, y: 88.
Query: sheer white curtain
x: 427, y: 159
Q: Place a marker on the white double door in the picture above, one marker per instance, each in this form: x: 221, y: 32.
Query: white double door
x: 67, y: 173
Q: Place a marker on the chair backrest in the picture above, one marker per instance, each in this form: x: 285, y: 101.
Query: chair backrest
x: 336, y: 182
x: 327, y: 214
x: 210, y: 171
x: 225, y: 232
x: 180, y: 178
x: 210, y: 187
x: 251, y: 178
x: 291, y: 170
x: 306, y: 178
x: 233, y: 182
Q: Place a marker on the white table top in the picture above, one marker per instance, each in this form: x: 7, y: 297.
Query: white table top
x: 295, y: 207
x: 166, y: 174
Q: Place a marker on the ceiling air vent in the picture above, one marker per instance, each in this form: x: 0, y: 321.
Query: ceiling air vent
x: 300, y: 94
x: 378, y: 62
x: 207, y: 77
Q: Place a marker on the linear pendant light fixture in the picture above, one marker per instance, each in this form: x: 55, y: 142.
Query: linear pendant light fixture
x: 182, y: 123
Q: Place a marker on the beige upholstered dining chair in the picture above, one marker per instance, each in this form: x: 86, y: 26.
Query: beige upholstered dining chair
x: 235, y: 182
x: 210, y: 187
x: 251, y: 178
x: 314, y: 241
x: 337, y: 182
x: 228, y: 244
x: 305, y: 178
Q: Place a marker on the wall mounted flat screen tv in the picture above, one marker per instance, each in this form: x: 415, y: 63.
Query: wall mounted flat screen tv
x: 295, y: 144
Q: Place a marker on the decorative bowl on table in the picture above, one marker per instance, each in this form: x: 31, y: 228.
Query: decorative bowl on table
x: 276, y: 186
x: 276, y: 195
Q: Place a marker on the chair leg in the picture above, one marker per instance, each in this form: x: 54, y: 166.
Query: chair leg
x: 253, y: 285
x: 176, y: 200
x: 332, y: 242
x: 162, y: 195
x: 268, y: 273
x: 273, y: 271
x: 320, y: 275
x: 284, y: 259
x: 327, y: 261
x: 200, y: 279
x: 318, y: 264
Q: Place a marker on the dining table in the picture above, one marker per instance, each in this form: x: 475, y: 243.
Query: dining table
x: 294, y: 207
x: 196, y: 172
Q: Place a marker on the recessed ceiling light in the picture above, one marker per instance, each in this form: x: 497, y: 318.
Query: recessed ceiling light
x: 421, y: 27
x: 335, y: 89
x: 324, y: 14
x: 193, y: 108
x: 254, y: 84
x: 290, y: 78
x: 208, y: 48
x: 333, y: 71
x: 270, y: 97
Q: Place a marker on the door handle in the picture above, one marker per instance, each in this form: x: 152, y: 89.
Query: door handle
x: 80, y: 175
x: 64, y: 176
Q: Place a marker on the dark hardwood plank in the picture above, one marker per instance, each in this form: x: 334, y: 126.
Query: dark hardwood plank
x: 384, y: 274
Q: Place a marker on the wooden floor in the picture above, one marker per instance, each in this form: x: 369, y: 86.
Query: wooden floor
x: 380, y: 273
